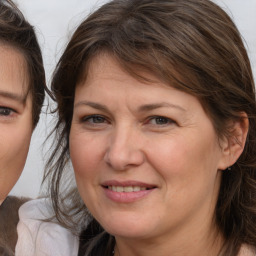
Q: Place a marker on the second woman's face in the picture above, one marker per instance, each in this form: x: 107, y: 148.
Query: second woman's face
x: 15, y: 117
x: 146, y: 156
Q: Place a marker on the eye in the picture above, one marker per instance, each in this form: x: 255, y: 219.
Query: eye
x: 4, y: 111
x: 160, y: 120
x: 94, y: 119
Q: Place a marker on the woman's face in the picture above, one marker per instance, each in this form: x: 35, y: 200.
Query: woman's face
x: 146, y: 157
x: 15, y: 117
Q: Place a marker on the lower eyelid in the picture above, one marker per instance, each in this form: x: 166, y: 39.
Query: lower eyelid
x: 5, y: 118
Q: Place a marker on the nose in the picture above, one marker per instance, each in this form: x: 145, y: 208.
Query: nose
x: 124, y: 150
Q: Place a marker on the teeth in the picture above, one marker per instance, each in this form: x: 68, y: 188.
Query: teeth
x: 136, y: 188
x: 126, y: 189
x: 119, y: 189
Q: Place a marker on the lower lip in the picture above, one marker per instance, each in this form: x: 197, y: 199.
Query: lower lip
x: 126, y: 197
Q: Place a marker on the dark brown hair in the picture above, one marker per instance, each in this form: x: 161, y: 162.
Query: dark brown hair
x: 192, y: 45
x: 16, y: 32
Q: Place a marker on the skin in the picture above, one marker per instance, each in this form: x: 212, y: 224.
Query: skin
x: 15, y: 117
x: 127, y: 130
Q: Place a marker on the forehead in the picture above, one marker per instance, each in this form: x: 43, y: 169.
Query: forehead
x: 14, y: 76
x: 104, y: 65
x: 106, y: 79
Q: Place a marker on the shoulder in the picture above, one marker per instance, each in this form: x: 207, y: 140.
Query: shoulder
x: 8, y: 222
x: 39, y: 237
x: 9, y: 210
x: 247, y: 250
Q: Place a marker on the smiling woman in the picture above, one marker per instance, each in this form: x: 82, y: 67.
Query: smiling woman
x: 22, y: 85
x: 148, y: 149
x: 157, y: 113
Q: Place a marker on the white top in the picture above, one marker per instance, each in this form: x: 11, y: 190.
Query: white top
x: 247, y: 251
x: 39, y: 238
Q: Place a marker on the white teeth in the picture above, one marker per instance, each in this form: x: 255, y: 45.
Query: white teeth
x: 136, y: 188
x: 126, y: 189
x: 119, y: 189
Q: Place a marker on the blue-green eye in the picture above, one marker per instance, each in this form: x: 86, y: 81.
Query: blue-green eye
x: 160, y: 120
x: 94, y: 119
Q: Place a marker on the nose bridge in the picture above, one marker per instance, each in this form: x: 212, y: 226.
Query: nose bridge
x: 124, y: 148
x: 121, y: 136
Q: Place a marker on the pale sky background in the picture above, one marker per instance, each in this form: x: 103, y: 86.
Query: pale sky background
x: 55, y: 21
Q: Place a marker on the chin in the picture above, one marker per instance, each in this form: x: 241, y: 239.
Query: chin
x: 128, y: 228
x: 129, y: 233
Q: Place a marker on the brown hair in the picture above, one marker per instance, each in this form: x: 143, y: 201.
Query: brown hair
x: 192, y: 45
x: 16, y: 32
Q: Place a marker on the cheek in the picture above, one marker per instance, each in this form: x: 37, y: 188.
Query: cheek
x: 85, y: 153
x: 13, y: 153
x: 86, y: 157
x: 188, y: 170
x: 14, y: 146
x: 185, y: 160
x: 168, y: 155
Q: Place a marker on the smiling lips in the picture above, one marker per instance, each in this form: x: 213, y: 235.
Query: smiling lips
x: 126, y: 192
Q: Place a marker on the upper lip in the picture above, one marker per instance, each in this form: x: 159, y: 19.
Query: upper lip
x: 127, y: 183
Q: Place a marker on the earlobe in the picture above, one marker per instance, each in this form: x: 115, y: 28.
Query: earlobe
x: 233, y: 145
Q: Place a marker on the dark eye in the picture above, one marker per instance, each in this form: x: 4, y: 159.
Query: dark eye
x: 4, y: 111
x: 160, y: 120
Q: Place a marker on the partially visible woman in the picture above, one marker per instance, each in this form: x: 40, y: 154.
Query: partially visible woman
x: 22, y: 91
x: 157, y: 113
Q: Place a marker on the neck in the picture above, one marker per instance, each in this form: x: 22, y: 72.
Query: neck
x: 190, y: 243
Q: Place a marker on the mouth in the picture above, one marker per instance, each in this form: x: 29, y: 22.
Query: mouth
x: 126, y: 189
x: 127, y: 186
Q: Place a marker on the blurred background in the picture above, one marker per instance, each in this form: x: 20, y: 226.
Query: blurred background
x: 55, y: 21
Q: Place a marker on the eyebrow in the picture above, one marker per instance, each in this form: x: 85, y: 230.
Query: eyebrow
x: 143, y: 108
x: 13, y: 96
x: 149, y: 107
x: 92, y: 104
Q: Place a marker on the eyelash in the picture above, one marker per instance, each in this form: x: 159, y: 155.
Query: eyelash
x: 93, y: 118
x: 99, y: 119
x: 167, y: 120
x: 3, y: 111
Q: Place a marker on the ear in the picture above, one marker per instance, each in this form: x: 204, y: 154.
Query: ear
x: 233, y: 145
